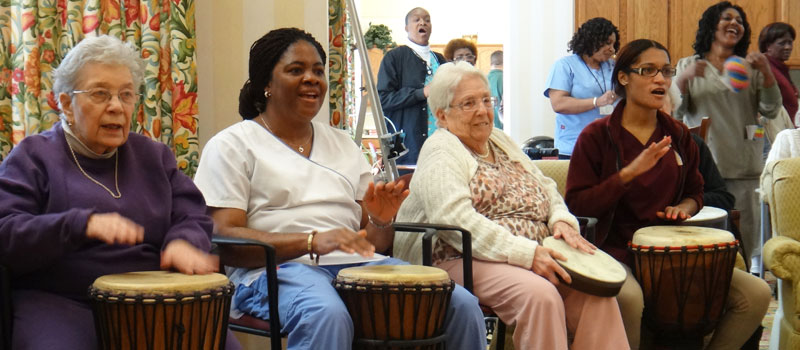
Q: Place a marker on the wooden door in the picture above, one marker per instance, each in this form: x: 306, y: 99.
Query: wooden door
x: 674, y: 22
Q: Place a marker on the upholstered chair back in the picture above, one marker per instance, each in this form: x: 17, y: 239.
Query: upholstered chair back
x: 780, y: 186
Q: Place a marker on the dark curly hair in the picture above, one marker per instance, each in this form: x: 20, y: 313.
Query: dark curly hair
x: 592, y: 35
x: 707, y: 28
x: 773, y: 32
x: 264, y: 56
x: 628, y: 56
x: 456, y: 44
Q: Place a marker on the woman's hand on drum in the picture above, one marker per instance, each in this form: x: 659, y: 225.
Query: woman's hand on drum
x: 646, y: 160
x: 684, y: 210
x: 182, y: 256
x: 675, y: 213
x: 344, y: 240
x: 563, y: 230
x: 383, y: 200
x: 545, y: 266
x: 113, y: 228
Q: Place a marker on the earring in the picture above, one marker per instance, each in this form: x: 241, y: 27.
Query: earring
x: 70, y: 123
x: 267, y: 94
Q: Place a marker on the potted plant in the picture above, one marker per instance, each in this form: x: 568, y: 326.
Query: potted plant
x: 379, y: 36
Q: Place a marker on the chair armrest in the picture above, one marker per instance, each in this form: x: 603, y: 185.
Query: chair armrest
x: 5, y: 309
x: 587, y: 225
x: 222, y: 242
x: 782, y: 257
x: 427, y: 244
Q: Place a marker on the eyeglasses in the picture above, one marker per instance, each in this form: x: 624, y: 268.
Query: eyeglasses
x: 473, y: 104
x: 667, y: 72
x: 464, y: 58
x: 101, y: 96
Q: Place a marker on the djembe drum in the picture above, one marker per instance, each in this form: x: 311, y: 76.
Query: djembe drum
x: 396, y: 306
x: 161, y: 310
x: 685, y: 273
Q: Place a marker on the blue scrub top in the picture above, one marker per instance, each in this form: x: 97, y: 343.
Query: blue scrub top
x: 574, y: 76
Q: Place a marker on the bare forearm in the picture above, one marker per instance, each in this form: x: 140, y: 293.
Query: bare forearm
x: 571, y: 105
x: 381, y: 238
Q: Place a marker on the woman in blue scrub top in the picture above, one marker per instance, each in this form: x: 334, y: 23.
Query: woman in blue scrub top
x: 579, y: 85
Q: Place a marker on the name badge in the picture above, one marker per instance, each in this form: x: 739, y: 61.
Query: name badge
x: 606, y: 110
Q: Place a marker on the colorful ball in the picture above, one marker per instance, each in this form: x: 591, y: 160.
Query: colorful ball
x: 736, y: 73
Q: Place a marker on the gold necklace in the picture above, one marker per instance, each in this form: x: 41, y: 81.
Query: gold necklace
x: 116, y: 167
x: 299, y: 148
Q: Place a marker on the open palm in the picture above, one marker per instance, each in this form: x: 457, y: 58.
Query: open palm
x: 383, y: 200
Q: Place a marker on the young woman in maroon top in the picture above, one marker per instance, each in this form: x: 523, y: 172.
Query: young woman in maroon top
x: 639, y: 167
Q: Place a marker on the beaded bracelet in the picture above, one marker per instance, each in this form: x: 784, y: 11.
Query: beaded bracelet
x: 386, y: 225
x: 311, y: 248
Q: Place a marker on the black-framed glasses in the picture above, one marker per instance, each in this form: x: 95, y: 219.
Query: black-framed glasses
x: 473, y: 104
x: 648, y: 71
x: 101, y: 96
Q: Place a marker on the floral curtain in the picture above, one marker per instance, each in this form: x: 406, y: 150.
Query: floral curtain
x: 36, y: 34
x: 337, y: 62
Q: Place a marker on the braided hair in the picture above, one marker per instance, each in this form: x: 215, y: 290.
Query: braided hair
x: 592, y: 35
x: 264, y: 56
x: 707, y: 28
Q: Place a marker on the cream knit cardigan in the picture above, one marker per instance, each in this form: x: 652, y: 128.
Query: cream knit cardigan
x: 440, y: 194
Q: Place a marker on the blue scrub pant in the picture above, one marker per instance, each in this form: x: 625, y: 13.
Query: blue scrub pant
x: 313, y: 315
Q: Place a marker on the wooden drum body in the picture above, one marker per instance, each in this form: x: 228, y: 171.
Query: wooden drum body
x: 685, y: 273
x: 396, y: 306
x: 161, y: 310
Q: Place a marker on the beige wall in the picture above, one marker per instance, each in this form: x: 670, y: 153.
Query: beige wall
x: 450, y: 19
x: 225, y: 31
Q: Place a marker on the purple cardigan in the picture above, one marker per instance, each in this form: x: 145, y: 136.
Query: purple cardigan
x: 45, y: 203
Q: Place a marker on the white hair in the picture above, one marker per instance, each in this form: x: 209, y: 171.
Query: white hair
x: 444, y: 83
x: 102, y: 49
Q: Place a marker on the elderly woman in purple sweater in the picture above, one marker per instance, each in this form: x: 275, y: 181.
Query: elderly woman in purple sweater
x: 89, y: 198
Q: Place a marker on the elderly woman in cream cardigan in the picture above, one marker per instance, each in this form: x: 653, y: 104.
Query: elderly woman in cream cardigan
x: 472, y: 175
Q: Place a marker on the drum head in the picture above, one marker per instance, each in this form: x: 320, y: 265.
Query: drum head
x: 707, y: 213
x: 677, y: 236
x: 400, y: 274
x: 709, y: 217
x: 158, y: 282
x: 597, y: 274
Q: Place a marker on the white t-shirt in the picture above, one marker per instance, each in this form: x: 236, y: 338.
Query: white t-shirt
x: 246, y: 167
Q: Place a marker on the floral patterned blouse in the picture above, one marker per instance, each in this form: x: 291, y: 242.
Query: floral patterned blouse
x: 507, y: 194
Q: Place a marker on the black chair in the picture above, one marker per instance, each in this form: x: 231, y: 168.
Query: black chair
x: 6, y: 313
x: 539, y: 147
x: 227, y: 248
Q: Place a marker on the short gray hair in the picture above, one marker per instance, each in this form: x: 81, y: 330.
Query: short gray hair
x: 102, y: 49
x: 445, y: 81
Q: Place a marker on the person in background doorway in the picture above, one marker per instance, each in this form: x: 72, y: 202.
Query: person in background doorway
x: 461, y: 50
x: 495, y: 77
